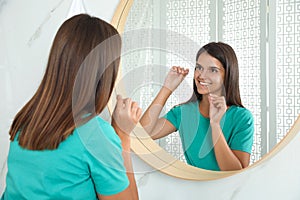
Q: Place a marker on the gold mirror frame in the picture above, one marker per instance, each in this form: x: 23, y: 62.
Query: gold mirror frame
x: 158, y: 158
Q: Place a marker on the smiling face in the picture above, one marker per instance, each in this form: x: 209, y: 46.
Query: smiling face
x: 209, y: 75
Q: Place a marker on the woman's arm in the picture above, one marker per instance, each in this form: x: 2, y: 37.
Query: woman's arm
x: 125, y: 117
x: 130, y: 192
x: 227, y: 159
x: 159, y: 127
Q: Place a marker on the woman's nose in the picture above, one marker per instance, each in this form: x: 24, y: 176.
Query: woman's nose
x: 203, y: 73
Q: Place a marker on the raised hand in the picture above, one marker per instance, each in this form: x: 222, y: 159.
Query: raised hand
x: 217, y: 108
x: 126, y: 115
x: 175, y: 77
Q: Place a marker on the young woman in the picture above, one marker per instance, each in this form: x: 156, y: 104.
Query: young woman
x: 60, y: 148
x: 215, y: 129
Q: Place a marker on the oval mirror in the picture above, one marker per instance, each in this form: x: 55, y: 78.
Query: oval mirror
x: 160, y: 34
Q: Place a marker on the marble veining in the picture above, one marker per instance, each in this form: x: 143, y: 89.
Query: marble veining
x: 235, y: 192
x: 2, y: 4
x: 142, y: 181
x: 38, y: 31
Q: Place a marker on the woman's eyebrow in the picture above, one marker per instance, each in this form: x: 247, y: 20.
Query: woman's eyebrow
x: 214, y: 67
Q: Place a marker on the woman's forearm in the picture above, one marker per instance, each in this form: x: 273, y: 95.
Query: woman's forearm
x: 130, y: 174
x: 225, y: 157
x: 126, y: 153
x: 151, y: 115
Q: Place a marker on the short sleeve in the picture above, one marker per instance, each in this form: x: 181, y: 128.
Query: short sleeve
x: 174, y: 116
x: 243, y: 132
x: 104, y: 156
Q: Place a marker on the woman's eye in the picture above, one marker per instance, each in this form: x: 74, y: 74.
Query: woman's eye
x: 199, y: 68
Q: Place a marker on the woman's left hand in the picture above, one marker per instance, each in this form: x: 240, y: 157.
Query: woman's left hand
x: 217, y: 108
x: 126, y: 115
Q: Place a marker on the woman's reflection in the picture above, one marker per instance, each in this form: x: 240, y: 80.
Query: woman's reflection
x: 215, y: 129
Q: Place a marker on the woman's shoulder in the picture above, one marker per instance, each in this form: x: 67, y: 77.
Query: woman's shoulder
x: 94, y: 126
x: 241, y: 112
x: 189, y: 104
x: 240, y: 109
x: 184, y: 107
x: 97, y: 121
x: 103, y: 122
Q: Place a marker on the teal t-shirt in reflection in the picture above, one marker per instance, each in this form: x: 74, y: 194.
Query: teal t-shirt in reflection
x: 88, y: 162
x: 194, y: 129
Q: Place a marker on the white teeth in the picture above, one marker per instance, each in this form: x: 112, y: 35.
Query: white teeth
x: 202, y: 83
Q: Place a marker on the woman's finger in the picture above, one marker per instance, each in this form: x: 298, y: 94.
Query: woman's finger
x: 214, y: 97
x: 120, y: 102
x: 134, y: 108
x: 180, y: 70
x: 186, y: 71
x: 127, y: 102
x: 218, y: 100
x: 138, y: 113
x: 173, y: 68
x: 134, y: 104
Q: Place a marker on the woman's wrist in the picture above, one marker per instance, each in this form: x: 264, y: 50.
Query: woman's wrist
x: 162, y: 96
x: 126, y: 145
x: 124, y: 137
x: 214, y: 124
x: 167, y: 90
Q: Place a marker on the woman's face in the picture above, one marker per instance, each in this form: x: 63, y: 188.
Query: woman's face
x: 209, y: 75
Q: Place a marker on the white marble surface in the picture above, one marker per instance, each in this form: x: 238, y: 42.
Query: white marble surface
x: 276, y: 179
x: 26, y: 32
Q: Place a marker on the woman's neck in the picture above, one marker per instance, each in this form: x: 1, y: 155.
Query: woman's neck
x: 204, y: 106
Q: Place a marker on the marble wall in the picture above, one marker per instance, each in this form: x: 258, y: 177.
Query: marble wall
x: 27, y: 29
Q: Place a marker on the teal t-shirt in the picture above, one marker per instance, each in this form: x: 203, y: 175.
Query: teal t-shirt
x: 88, y: 162
x: 194, y: 129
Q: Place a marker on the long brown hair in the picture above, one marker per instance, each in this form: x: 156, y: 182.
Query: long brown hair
x: 226, y: 55
x: 78, y: 82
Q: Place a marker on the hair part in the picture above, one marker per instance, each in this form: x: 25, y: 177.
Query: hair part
x: 79, y: 79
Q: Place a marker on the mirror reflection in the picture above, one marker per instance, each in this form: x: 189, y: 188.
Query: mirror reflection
x: 162, y: 34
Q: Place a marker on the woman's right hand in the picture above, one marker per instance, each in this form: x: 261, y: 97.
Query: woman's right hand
x: 124, y: 118
x: 126, y: 115
x: 175, y: 77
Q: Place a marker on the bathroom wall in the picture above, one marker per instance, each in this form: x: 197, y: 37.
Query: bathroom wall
x: 27, y: 29
x: 26, y: 32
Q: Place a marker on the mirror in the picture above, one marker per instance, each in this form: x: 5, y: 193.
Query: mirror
x: 159, y: 34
